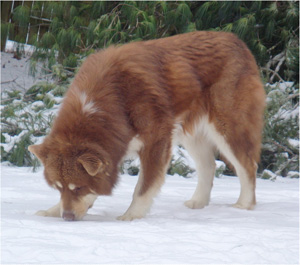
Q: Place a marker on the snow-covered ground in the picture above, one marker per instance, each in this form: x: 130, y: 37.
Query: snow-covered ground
x: 15, y: 73
x: 170, y: 234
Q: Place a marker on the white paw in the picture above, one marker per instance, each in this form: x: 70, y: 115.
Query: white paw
x: 129, y: 216
x: 42, y: 213
x: 248, y: 206
x: 193, y: 204
x: 47, y: 213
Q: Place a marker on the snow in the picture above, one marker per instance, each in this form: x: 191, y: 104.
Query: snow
x: 282, y: 85
x: 293, y: 174
x: 11, y: 46
x: 15, y: 73
x: 294, y: 142
x: 11, y: 140
x: 170, y: 233
x: 268, y: 174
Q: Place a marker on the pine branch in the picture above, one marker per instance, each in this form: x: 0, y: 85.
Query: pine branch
x: 275, y: 59
x: 283, y: 147
x: 11, y: 81
x: 274, y: 46
x: 272, y: 71
x: 286, y: 164
x: 277, y: 68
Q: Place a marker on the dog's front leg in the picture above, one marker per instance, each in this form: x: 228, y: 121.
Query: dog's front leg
x: 54, y: 211
x: 155, y: 158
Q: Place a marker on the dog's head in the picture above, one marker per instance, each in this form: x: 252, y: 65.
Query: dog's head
x: 80, y: 173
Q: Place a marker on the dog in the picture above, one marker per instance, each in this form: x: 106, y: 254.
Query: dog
x: 201, y: 90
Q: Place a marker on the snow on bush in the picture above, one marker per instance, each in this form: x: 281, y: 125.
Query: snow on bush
x: 280, y: 150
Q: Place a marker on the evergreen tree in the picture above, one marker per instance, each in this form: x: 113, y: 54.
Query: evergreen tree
x: 270, y: 29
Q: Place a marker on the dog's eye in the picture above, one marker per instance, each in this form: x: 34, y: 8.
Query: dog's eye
x: 77, y: 189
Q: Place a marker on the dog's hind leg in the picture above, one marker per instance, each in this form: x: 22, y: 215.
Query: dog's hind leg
x: 54, y: 211
x: 155, y: 158
x: 235, y: 128
x: 245, y: 168
x: 202, y: 153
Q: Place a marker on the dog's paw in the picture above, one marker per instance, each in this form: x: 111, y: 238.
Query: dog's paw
x: 41, y: 213
x: 248, y: 206
x: 193, y: 204
x: 47, y: 213
x: 129, y: 217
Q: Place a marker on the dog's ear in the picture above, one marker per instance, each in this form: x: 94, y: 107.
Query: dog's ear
x: 39, y: 151
x: 91, y: 163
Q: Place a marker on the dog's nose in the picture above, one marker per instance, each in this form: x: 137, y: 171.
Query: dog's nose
x: 68, y: 216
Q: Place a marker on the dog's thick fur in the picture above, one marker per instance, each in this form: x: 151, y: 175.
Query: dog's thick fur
x: 199, y: 89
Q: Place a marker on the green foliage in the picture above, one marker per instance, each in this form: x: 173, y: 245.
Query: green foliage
x: 25, y: 117
x: 267, y: 174
x: 268, y: 28
x: 131, y: 167
x: 47, y: 41
x: 21, y: 15
x: 220, y: 169
x: 19, y: 154
x: 281, y: 131
x: 178, y: 166
x: 6, y: 30
x: 37, y: 92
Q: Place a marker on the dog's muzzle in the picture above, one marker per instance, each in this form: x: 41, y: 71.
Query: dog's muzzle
x: 68, y: 216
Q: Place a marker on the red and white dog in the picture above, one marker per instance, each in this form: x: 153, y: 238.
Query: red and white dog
x: 201, y: 90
